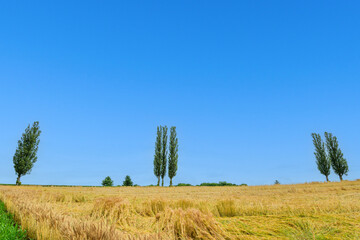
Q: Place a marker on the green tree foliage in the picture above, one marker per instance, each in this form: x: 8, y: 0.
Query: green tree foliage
x: 164, y: 152
x: 338, y: 162
x: 158, y: 154
x: 107, y: 182
x: 322, y: 161
x: 173, y: 154
x: 276, y: 182
x: 25, y: 154
x: 127, y: 181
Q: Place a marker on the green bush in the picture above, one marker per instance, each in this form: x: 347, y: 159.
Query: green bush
x: 107, y: 182
x: 127, y: 182
x: 183, y: 184
x: 223, y: 183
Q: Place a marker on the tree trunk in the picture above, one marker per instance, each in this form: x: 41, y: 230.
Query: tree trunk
x: 340, y: 177
x: 327, y: 178
x: 162, y: 182
x: 18, y: 180
x: 158, y: 184
x: 170, y: 182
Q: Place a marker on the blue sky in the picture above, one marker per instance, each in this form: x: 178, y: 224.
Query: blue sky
x: 245, y: 82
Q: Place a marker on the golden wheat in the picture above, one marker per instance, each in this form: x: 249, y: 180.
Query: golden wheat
x: 302, y: 211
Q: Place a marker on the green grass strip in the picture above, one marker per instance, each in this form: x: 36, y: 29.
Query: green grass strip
x: 9, y: 230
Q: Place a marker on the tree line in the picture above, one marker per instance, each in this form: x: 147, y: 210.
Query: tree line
x: 26, y: 154
x: 161, y: 158
x: 329, y: 155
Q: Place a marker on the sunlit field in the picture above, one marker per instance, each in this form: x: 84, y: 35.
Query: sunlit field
x: 303, y: 211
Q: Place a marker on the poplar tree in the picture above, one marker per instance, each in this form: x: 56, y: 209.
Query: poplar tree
x: 25, y: 154
x: 338, y: 162
x: 322, y: 160
x: 164, y: 152
x: 158, y: 154
x: 173, y: 154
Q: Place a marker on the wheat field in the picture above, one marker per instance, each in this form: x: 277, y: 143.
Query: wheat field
x: 301, y: 211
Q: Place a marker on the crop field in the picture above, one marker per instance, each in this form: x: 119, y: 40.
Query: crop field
x: 301, y: 211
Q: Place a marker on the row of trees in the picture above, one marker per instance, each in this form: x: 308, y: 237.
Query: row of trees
x: 328, y: 155
x: 332, y: 158
x: 161, y: 160
x: 26, y: 154
x: 108, y: 182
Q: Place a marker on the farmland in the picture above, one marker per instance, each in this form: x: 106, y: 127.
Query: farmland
x: 301, y: 211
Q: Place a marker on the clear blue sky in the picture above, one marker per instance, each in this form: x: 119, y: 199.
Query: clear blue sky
x: 245, y: 82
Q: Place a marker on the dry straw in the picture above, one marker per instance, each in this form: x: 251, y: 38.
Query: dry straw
x: 303, y: 211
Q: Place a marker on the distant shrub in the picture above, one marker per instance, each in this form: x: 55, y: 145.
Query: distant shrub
x: 107, y: 182
x: 127, y: 182
x: 226, y: 184
x: 183, y: 184
x: 221, y: 183
x: 276, y: 182
x: 209, y: 184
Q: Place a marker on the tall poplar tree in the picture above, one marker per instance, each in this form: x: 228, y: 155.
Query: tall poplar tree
x: 322, y: 161
x: 338, y: 162
x: 25, y: 154
x: 173, y: 154
x: 158, y: 154
x: 164, y: 152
